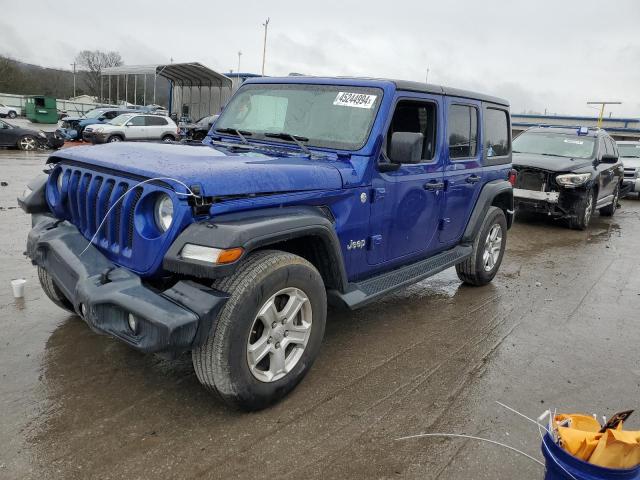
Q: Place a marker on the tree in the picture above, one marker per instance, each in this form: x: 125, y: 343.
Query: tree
x: 93, y: 61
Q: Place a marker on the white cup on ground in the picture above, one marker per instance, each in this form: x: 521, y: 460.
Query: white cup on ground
x: 18, y: 287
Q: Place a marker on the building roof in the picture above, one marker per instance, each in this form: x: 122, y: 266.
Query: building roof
x: 188, y: 74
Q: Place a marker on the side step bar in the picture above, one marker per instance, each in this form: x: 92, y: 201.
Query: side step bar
x: 362, y: 293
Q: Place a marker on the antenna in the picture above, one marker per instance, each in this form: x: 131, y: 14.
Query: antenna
x: 264, y: 46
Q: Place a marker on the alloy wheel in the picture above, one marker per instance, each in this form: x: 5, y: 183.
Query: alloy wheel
x: 279, y: 334
x: 588, y: 209
x: 492, y: 248
x: 28, y: 143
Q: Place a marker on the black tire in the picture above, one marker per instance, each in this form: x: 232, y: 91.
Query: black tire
x: 584, y: 211
x: 473, y: 270
x: 221, y: 363
x: 114, y: 138
x: 609, y: 210
x: 168, y: 138
x: 12, y: 114
x: 27, y: 143
x: 53, y: 292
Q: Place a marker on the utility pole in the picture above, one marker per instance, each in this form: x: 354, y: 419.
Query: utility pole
x: 74, y: 78
x: 602, y: 104
x: 264, y: 46
x: 426, y: 80
x: 238, y: 72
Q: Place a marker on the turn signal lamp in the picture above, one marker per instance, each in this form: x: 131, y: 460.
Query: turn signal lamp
x: 210, y: 254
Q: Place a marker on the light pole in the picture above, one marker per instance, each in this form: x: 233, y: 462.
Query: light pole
x: 238, y: 72
x: 602, y: 104
x: 426, y: 80
x: 264, y: 46
x: 74, y: 78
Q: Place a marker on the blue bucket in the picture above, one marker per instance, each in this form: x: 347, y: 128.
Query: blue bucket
x: 559, y: 462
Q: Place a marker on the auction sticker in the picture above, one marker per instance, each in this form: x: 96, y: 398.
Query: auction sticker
x: 575, y: 142
x: 358, y: 100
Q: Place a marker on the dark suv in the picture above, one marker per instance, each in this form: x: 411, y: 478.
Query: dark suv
x: 567, y: 172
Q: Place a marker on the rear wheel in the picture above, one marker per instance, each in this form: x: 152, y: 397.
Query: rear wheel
x: 488, y: 250
x: 168, y: 138
x: 583, y: 211
x: 609, y: 210
x: 28, y: 142
x: 12, y: 114
x: 53, y: 292
x: 268, y: 333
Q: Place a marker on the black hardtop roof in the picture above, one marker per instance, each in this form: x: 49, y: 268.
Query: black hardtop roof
x: 450, y: 91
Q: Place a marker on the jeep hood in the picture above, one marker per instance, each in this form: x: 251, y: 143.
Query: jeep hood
x: 549, y: 163
x: 217, y: 172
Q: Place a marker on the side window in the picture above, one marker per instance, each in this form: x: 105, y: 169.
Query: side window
x: 496, y: 132
x: 155, y: 121
x: 111, y: 115
x: 415, y: 117
x: 137, y: 122
x: 463, y: 131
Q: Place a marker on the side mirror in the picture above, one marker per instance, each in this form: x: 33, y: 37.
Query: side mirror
x: 406, y: 147
x: 608, y: 158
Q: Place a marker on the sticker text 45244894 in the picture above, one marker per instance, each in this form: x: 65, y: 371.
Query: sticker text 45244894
x: 358, y: 100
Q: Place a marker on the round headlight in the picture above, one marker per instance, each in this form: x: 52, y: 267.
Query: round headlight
x: 164, y: 212
x: 59, y: 181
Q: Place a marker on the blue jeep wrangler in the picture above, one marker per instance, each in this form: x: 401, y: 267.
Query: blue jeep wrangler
x: 306, y: 191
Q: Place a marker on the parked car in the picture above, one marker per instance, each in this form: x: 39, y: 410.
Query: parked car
x: 11, y: 112
x: 309, y: 190
x: 25, y: 138
x: 567, y: 172
x: 630, y: 155
x: 133, y: 127
x: 197, y: 131
x: 73, y: 127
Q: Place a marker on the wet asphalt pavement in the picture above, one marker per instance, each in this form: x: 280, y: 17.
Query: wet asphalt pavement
x: 558, y: 327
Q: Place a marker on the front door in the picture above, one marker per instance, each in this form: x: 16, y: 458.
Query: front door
x: 6, y: 137
x: 406, y: 202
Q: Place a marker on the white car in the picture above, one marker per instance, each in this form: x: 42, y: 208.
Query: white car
x: 629, y: 153
x: 11, y: 112
x: 133, y: 127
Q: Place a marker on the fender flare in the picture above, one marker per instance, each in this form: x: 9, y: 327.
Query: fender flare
x: 485, y: 200
x: 252, y: 230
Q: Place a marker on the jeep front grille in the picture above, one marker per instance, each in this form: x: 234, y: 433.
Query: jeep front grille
x: 89, y: 197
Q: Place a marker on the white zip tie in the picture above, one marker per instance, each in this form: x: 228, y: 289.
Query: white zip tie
x: 106, y: 215
x: 458, y: 435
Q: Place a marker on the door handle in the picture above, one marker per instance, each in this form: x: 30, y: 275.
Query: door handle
x: 432, y: 186
x: 473, y: 179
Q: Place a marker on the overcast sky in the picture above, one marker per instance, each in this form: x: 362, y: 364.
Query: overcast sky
x: 542, y: 54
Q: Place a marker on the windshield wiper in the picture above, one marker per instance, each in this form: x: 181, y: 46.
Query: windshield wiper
x: 295, y: 138
x: 235, y: 131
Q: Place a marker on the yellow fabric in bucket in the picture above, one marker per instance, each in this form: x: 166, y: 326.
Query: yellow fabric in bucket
x: 577, y: 442
x: 584, y: 423
x: 617, y: 449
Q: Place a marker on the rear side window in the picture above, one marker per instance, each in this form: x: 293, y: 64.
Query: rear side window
x: 463, y: 131
x: 155, y: 121
x: 496, y: 132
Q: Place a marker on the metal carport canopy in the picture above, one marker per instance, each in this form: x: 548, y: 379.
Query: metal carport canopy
x: 195, y: 73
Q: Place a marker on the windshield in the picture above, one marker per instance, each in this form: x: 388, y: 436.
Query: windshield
x: 93, y: 113
x: 120, y: 120
x: 557, y: 144
x: 629, y: 150
x: 319, y: 115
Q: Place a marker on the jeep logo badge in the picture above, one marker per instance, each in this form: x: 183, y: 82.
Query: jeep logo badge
x: 353, y: 244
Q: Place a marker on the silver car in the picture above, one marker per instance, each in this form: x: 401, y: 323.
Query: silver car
x: 133, y: 127
x: 629, y: 152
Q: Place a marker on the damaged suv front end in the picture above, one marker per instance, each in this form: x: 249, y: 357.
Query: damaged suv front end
x: 566, y: 173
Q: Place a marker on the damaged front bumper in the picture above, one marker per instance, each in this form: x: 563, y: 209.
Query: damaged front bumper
x: 105, y: 295
x: 559, y: 204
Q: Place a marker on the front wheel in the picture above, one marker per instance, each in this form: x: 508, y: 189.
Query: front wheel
x: 27, y: 143
x: 168, y: 138
x: 268, y: 333
x: 53, y: 291
x: 488, y: 250
x: 584, y: 211
x: 114, y: 138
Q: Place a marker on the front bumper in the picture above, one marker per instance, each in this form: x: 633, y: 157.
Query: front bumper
x: 169, y: 321
x: 631, y: 185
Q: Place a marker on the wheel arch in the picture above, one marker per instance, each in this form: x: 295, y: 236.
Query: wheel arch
x: 497, y: 193
x: 305, y: 231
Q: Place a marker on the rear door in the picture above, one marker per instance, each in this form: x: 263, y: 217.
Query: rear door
x: 156, y: 127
